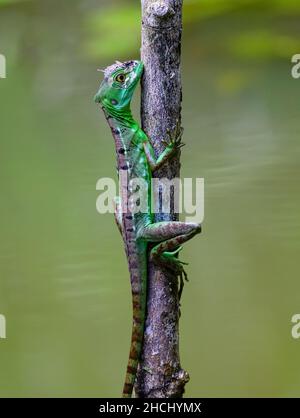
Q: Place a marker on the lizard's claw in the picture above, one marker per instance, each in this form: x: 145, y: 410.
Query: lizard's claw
x: 175, y: 138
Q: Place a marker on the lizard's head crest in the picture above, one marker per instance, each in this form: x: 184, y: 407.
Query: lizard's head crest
x: 118, y: 85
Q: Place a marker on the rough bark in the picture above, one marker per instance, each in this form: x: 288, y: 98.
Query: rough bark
x: 160, y: 374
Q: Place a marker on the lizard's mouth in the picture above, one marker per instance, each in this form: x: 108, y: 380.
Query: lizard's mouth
x: 139, y: 68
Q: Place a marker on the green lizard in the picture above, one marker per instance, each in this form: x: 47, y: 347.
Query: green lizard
x: 135, y: 154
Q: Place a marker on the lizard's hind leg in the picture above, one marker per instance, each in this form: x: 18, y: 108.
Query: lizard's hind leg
x: 170, y: 235
x: 165, y: 254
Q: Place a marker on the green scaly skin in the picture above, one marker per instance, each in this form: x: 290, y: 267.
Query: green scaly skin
x: 135, y: 154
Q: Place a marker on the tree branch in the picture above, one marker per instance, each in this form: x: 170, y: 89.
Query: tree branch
x: 160, y: 374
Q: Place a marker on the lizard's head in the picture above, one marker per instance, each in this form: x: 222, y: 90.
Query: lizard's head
x: 117, y: 88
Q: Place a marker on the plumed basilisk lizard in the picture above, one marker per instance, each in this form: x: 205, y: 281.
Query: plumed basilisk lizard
x: 135, y: 154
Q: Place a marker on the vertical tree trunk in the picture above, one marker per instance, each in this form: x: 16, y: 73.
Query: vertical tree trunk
x: 160, y: 374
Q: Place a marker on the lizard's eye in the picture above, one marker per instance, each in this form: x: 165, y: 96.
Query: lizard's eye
x: 120, y: 78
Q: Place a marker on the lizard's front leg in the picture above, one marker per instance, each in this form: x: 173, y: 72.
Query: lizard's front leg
x: 172, y: 146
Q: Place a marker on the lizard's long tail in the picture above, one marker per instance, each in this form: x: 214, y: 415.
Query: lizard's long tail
x: 139, y: 308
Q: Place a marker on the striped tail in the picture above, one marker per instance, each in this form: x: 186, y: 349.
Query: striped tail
x: 139, y: 306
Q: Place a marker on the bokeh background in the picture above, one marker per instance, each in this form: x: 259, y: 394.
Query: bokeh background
x: 64, y: 285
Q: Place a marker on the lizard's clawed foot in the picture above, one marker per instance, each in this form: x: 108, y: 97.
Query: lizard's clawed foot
x: 175, y: 138
x: 171, y: 263
x: 165, y: 253
x: 176, y: 267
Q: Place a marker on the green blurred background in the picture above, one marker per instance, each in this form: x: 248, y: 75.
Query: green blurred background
x: 64, y: 284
